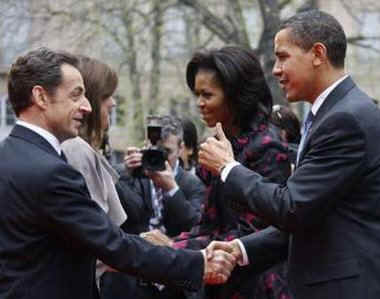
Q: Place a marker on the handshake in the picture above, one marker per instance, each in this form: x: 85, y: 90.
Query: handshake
x: 220, y: 257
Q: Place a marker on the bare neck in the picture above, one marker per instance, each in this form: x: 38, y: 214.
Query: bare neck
x: 325, y: 80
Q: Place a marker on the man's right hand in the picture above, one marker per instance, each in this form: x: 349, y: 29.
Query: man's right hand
x: 231, y: 247
x: 132, y: 159
x: 218, y: 268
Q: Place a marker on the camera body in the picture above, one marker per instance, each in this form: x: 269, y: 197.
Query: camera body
x: 154, y: 157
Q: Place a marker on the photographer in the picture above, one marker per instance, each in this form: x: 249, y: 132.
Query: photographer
x: 169, y: 200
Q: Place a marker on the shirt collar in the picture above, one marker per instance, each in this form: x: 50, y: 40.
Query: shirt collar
x: 322, y: 97
x: 175, y: 170
x: 49, y: 137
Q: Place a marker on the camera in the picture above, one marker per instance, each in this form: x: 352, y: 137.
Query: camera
x: 154, y: 157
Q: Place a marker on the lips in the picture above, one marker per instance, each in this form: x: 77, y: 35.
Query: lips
x: 204, y: 116
x: 283, y: 83
x: 80, y: 120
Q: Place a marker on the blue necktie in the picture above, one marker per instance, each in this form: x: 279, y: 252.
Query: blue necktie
x: 306, y: 129
x: 63, y: 157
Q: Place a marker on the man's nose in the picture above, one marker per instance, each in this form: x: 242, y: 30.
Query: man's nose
x: 85, y: 106
x: 277, y: 69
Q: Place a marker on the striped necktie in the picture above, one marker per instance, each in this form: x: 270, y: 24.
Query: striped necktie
x: 306, y: 129
x: 63, y: 156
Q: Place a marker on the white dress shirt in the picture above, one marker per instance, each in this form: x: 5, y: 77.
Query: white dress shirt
x: 49, y: 137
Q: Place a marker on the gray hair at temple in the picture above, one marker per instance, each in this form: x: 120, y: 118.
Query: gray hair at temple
x: 171, y: 125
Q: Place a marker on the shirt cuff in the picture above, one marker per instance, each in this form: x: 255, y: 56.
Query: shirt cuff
x: 173, y: 191
x: 226, y: 170
x: 244, y: 261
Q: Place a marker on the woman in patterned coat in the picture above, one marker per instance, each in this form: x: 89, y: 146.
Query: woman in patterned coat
x: 230, y: 88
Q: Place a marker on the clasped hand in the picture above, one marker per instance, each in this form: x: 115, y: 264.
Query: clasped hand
x: 220, y: 257
x: 224, y: 255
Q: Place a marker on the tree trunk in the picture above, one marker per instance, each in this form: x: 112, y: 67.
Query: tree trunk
x: 239, y: 23
x: 225, y: 31
x: 135, y: 80
x: 155, y: 72
x: 271, y: 20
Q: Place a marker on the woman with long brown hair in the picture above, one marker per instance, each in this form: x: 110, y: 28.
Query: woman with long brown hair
x: 83, y: 152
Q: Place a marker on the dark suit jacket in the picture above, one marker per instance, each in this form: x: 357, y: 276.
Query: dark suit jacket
x: 51, y: 231
x: 330, y: 205
x: 180, y: 212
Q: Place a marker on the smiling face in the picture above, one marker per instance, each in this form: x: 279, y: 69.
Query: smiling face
x: 294, y: 68
x: 66, y: 108
x: 211, y: 100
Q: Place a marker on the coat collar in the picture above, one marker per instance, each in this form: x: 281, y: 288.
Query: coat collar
x: 335, y: 96
x: 32, y: 137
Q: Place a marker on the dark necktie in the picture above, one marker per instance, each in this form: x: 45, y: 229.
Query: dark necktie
x: 63, y: 157
x: 157, y: 205
x: 306, y: 129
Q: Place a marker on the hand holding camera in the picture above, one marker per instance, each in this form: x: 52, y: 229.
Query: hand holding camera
x: 164, y: 179
x: 150, y: 158
x: 132, y: 159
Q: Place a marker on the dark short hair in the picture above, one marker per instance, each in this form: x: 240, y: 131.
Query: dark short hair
x: 38, y: 67
x: 190, y: 134
x: 171, y: 125
x: 238, y: 72
x: 284, y: 118
x: 100, y: 82
x: 313, y: 26
x: 190, y: 139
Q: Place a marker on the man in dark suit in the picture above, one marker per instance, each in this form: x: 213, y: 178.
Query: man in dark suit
x: 51, y: 232
x: 330, y: 205
x: 179, y: 194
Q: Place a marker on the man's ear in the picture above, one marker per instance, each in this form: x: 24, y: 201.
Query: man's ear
x: 39, y: 96
x: 320, y: 54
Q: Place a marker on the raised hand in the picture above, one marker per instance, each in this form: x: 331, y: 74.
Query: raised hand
x: 164, y: 179
x: 219, y: 267
x: 133, y: 158
x: 216, y: 152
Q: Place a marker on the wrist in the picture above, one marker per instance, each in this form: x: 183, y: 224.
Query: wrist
x: 204, y: 263
x: 169, y: 186
x: 221, y: 168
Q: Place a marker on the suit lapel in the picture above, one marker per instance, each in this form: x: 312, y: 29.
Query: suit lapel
x: 335, y: 96
x: 179, y: 175
x: 147, y: 192
x: 34, y: 138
